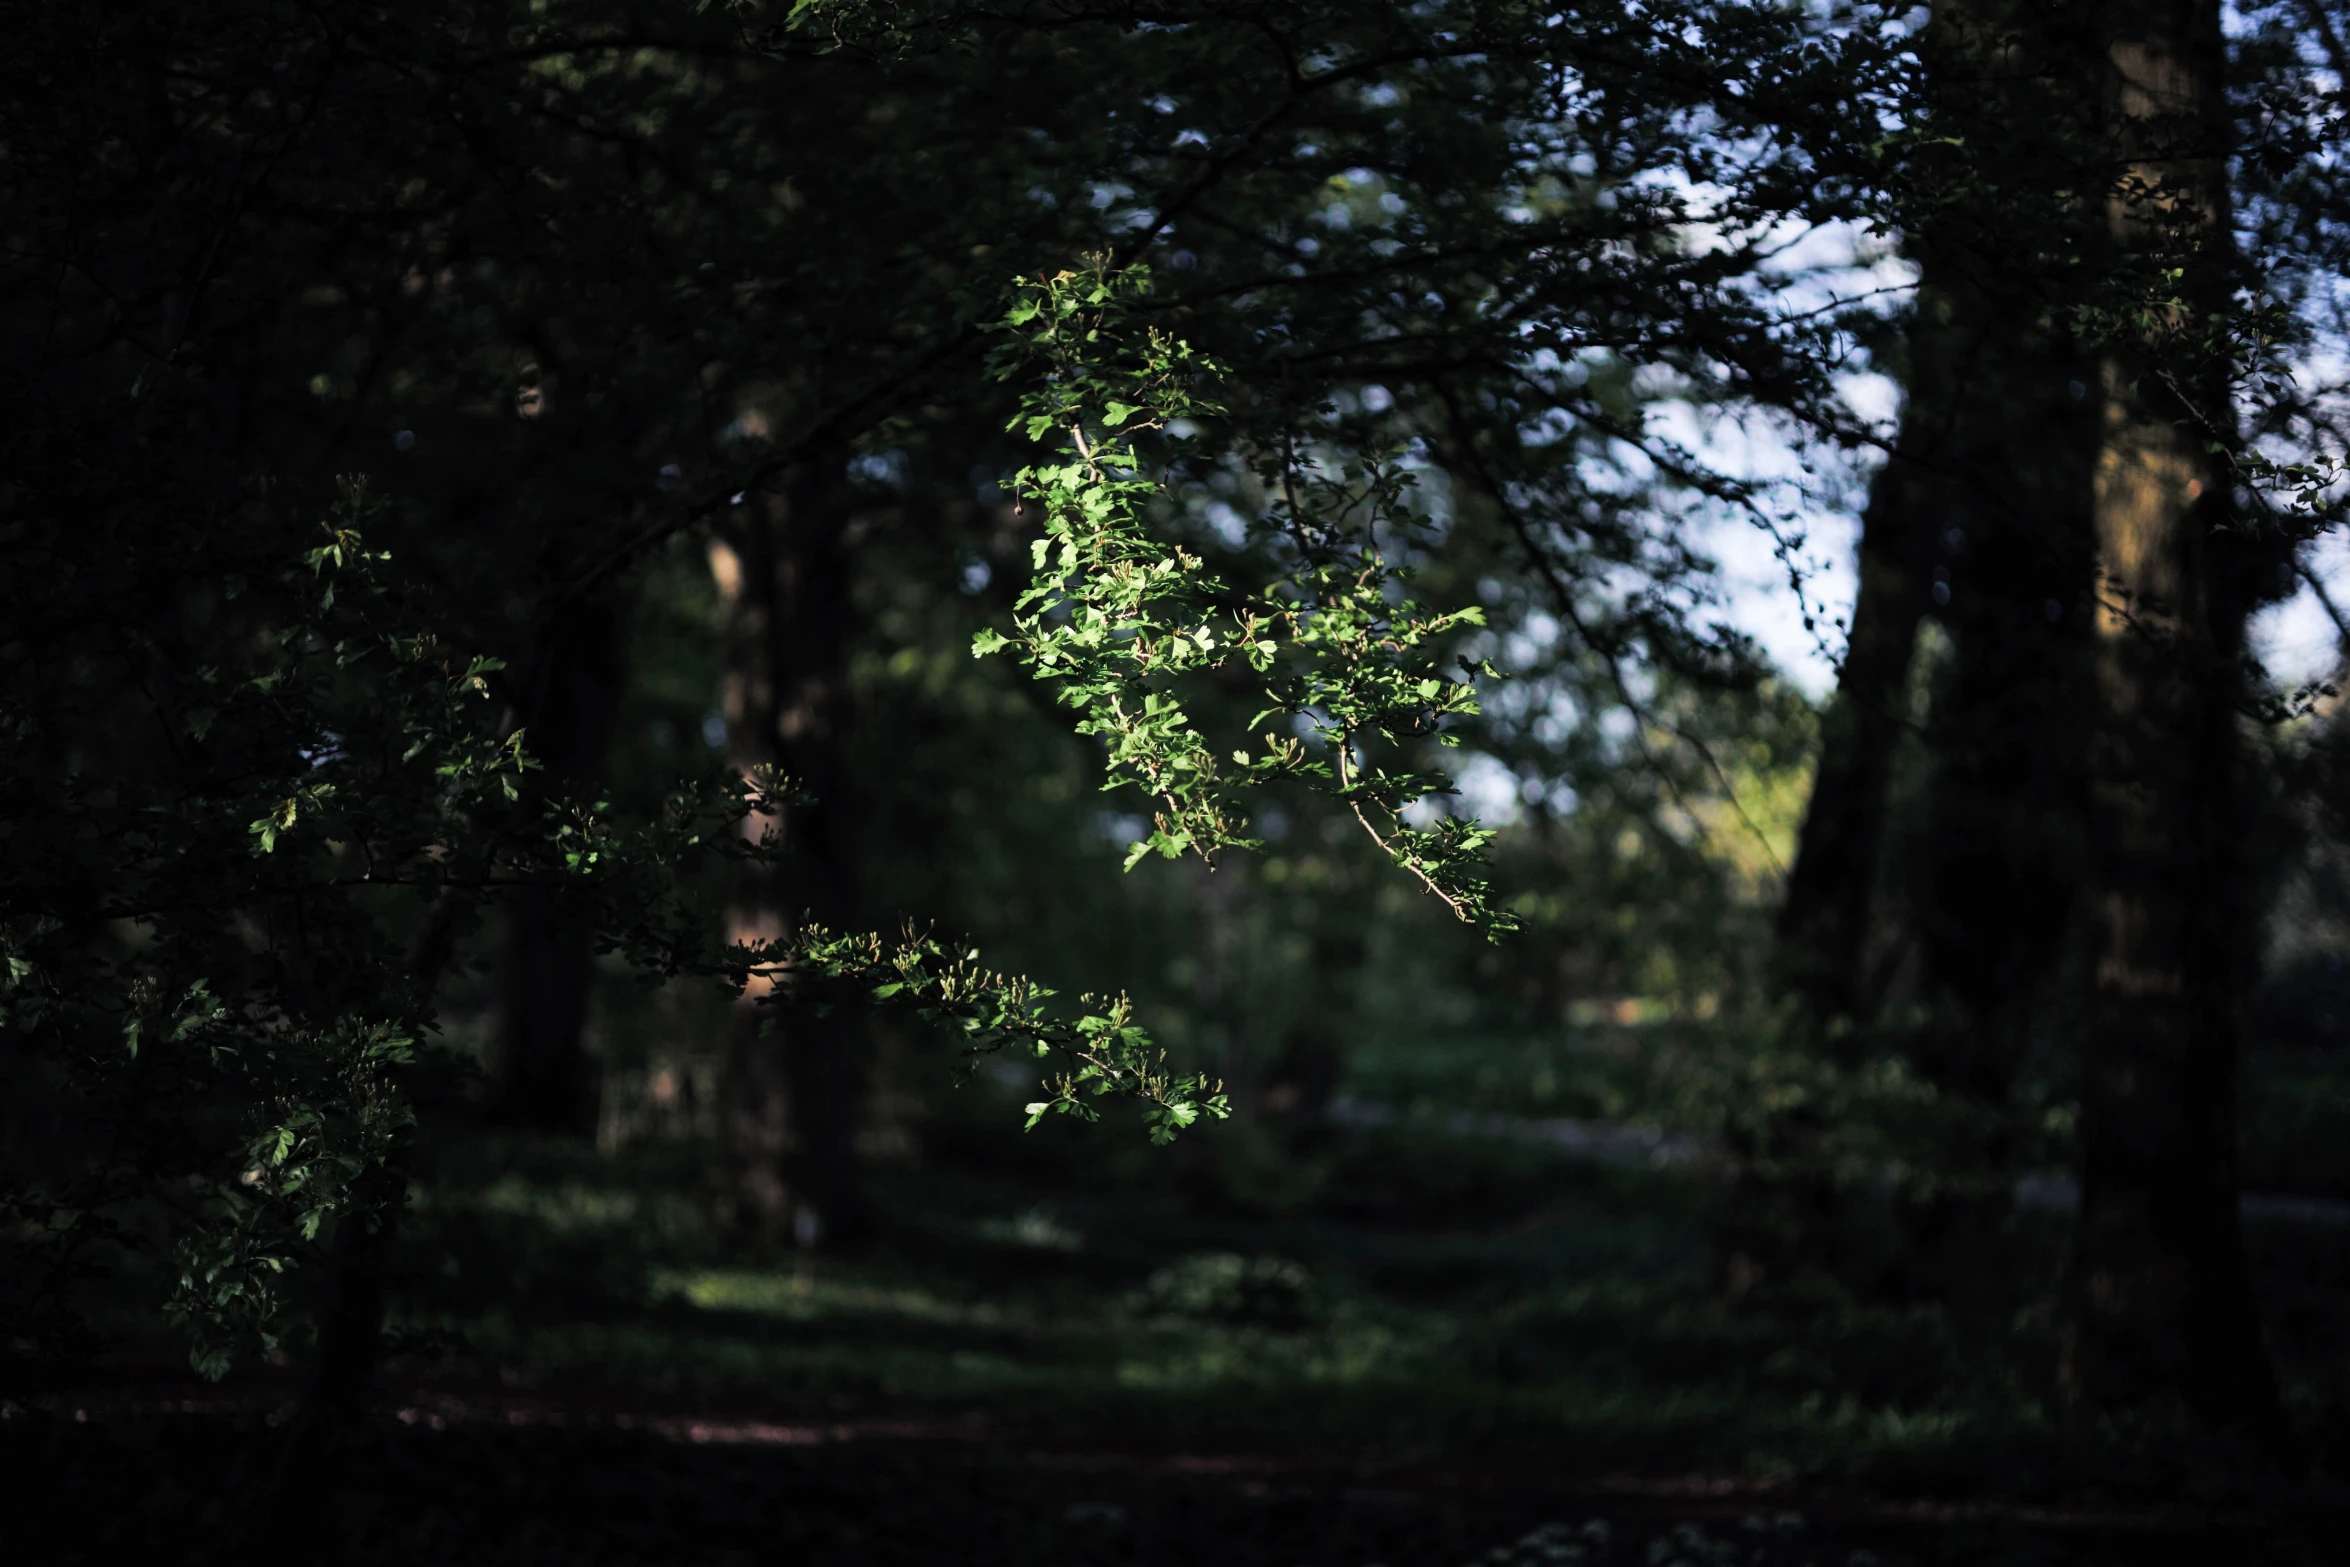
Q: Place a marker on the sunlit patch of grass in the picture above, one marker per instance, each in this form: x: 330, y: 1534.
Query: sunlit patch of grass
x: 565, y: 1207
x: 1036, y: 1229
x: 1141, y: 1341
x: 805, y: 1294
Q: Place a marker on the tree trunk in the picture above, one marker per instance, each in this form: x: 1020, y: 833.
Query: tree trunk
x: 543, y: 1078
x: 1979, y: 518
x: 1962, y: 360
x: 1825, y: 921
x: 1312, y: 1062
x: 1992, y: 869
x: 1991, y: 875
x: 350, y: 1333
x: 2160, y: 1299
x: 798, y: 1069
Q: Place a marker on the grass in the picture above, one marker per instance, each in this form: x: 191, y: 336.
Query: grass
x: 1510, y: 1302
x: 1385, y: 1344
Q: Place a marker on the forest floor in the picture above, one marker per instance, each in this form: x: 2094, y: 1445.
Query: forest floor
x: 1402, y: 1345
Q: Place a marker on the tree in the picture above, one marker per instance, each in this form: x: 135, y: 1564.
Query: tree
x: 784, y: 580
x: 1978, y: 520
x: 1943, y: 936
x: 564, y: 706
x: 2160, y: 1296
x: 2121, y: 847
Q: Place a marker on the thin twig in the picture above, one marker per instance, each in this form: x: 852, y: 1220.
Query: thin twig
x: 1408, y: 862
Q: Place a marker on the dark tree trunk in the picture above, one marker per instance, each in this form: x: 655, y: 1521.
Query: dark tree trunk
x: 1991, y: 876
x: 543, y: 1077
x: 799, y: 1070
x: 1824, y: 923
x: 350, y: 1333
x: 1992, y: 892
x: 2160, y: 1298
x: 1311, y: 1061
x: 1993, y: 870
x: 1980, y: 519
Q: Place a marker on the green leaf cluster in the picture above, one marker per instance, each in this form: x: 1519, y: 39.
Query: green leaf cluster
x: 1348, y: 667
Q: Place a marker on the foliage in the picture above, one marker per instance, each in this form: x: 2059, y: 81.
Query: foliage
x: 1104, y: 1050
x: 1116, y: 617
x: 220, y: 952
x: 257, y: 809
x: 221, y: 963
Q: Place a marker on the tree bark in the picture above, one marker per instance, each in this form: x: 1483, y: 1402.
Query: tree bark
x: 543, y: 1077
x: 350, y: 1332
x: 2160, y: 1298
x: 1981, y: 520
x: 1306, y: 1074
x: 798, y: 1067
x: 1992, y: 873
x: 1994, y: 862
x: 1974, y: 519
x: 1824, y: 922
